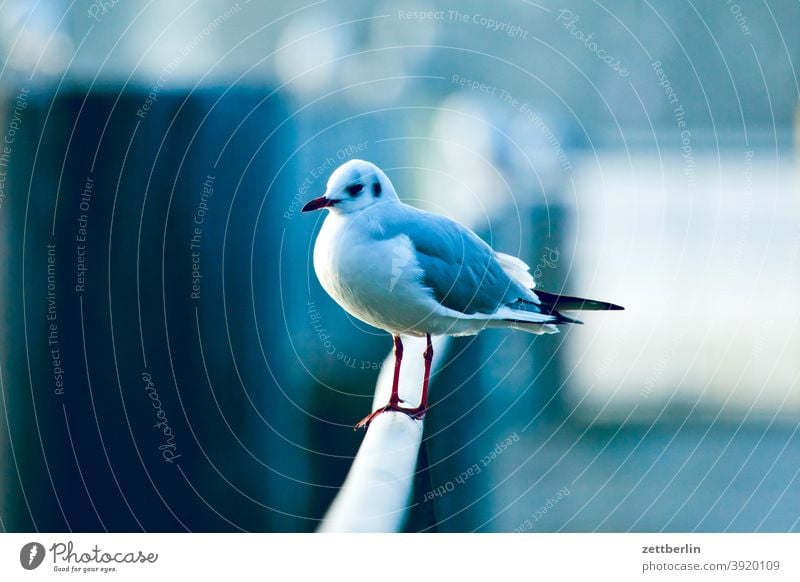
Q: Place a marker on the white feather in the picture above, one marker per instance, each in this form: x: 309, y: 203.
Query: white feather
x: 517, y: 270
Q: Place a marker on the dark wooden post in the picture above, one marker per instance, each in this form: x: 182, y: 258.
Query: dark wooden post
x: 147, y: 379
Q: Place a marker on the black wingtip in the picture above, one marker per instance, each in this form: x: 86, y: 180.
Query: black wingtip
x: 562, y: 319
x: 553, y: 301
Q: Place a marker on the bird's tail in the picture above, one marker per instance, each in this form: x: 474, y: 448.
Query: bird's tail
x: 545, y: 317
x: 552, y: 302
x: 531, y: 317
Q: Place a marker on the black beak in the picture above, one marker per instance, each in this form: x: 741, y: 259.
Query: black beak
x: 318, y: 203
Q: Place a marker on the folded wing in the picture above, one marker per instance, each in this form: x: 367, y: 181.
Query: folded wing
x: 464, y: 273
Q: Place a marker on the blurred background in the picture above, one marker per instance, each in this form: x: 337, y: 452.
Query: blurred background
x: 169, y: 362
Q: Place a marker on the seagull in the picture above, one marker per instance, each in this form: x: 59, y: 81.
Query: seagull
x: 411, y: 272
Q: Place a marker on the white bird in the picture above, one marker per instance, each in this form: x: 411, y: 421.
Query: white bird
x: 414, y: 273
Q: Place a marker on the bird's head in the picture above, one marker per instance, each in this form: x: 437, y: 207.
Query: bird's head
x: 353, y: 186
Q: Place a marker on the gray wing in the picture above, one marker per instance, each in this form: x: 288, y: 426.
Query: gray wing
x: 460, y: 268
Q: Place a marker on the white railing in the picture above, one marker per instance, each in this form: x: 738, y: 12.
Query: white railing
x: 375, y: 496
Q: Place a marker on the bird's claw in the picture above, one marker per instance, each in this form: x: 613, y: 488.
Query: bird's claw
x: 417, y: 413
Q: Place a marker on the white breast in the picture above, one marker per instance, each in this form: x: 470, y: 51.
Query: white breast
x: 377, y: 281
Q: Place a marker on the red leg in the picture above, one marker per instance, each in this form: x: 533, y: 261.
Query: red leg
x: 398, y: 359
x: 428, y: 355
x: 394, y: 399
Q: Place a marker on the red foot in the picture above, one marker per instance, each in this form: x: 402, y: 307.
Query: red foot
x: 417, y: 413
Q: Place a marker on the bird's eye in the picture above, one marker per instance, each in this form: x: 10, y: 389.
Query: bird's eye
x: 354, y: 189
